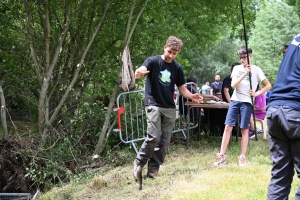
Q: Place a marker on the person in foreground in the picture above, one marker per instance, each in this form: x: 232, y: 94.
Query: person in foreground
x: 283, y: 119
x: 241, y: 103
x: 163, y: 72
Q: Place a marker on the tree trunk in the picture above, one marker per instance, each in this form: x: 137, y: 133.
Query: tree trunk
x: 107, y: 119
x: 3, y: 113
x: 43, y: 119
x: 128, y: 34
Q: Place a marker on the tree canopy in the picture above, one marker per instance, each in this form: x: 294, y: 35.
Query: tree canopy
x: 275, y: 25
x: 64, y: 49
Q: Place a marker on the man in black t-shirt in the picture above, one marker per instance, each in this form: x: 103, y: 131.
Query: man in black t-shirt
x: 227, y: 90
x: 163, y: 72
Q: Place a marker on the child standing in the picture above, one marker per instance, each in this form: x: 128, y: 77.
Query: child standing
x: 260, y: 111
x: 241, y: 103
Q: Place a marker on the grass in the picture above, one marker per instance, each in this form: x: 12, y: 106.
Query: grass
x: 186, y: 174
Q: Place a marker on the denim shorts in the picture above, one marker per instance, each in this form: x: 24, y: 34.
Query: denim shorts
x: 237, y: 108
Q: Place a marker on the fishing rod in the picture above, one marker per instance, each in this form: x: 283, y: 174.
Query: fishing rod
x: 248, y: 61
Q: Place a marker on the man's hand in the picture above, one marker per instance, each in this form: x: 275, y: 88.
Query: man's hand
x: 248, y: 69
x: 139, y: 73
x: 217, y: 98
x: 197, y: 98
x: 253, y: 93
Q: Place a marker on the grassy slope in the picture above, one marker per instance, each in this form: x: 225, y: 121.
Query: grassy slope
x: 186, y: 174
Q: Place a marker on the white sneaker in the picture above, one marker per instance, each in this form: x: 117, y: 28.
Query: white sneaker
x: 220, y: 159
x: 242, y: 160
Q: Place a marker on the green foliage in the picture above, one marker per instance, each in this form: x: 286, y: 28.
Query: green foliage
x: 17, y: 85
x: 297, y: 7
x: 50, y: 166
x: 203, y: 26
x: 44, y: 177
x: 199, y: 25
x: 295, y: 4
x: 119, y: 155
x: 217, y: 60
x: 275, y: 25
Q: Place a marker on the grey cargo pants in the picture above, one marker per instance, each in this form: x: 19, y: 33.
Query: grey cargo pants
x: 160, y: 123
x: 284, y: 129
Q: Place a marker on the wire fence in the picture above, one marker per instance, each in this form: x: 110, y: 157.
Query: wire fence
x: 132, y: 120
x: 15, y: 196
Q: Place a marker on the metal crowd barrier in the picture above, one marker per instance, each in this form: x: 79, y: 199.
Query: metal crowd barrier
x: 132, y: 120
x: 15, y: 196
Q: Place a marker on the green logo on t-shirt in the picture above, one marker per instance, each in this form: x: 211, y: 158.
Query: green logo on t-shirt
x: 165, y: 76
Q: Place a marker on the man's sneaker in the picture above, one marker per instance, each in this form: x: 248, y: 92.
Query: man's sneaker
x: 134, y: 172
x: 251, y: 134
x: 220, y: 159
x: 152, y: 174
x: 242, y: 160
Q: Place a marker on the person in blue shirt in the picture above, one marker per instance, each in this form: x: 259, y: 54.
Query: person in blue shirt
x: 268, y: 94
x: 215, y: 85
x: 283, y: 119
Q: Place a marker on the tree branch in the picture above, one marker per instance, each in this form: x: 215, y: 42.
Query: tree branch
x: 32, y: 51
x: 79, y: 65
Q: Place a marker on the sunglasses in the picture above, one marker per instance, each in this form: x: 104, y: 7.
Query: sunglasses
x: 243, y: 57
